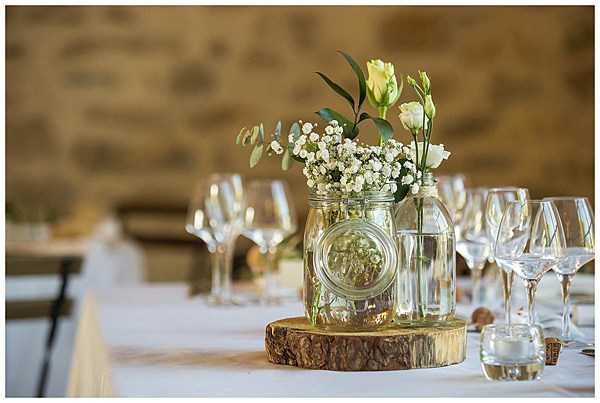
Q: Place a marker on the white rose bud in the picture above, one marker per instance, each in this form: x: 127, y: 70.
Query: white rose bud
x: 435, y: 154
x: 411, y: 116
x: 382, y: 87
x: 429, y: 107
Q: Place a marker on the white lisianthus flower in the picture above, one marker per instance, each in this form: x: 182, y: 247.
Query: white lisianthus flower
x: 339, y: 130
x: 307, y: 128
x: 414, y: 189
x: 303, y: 153
x: 310, y: 183
x: 382, y: 87
x: 329, y: 129
x: 314, y: 137
x: 435, y: 154
x: 334, y: 123
x: 411, y: 116
x: 325, y: 155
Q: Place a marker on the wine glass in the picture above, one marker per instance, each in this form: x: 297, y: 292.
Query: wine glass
x: 530, y: 241
x: 577, y: 220
x: 197, y: 224
x: 496, y: 202
x: 472, y: 242
x: 451, y: 190
x: 217, y: 209
x: 269, y: 218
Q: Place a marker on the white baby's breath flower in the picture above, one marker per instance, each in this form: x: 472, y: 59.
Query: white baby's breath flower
x: 314, y: 137
x: 414, y: 189
x: 275, y: 146
x: 334, y: 123
x: 307, y: 128
x: 310, y: 183
x: 339, y: 130
x: 329, y: 129
x: 376, y: 165
x: 303, y: 153
x: 407, y: 180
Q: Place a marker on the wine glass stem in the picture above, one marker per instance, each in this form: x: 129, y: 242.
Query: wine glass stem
x: 476, y: 285
x: 531, y: 289
x: 507, y: 281
x: 215, y: 265
x: 565, y: 282
x: 270, y: 279
x: 227, y: 270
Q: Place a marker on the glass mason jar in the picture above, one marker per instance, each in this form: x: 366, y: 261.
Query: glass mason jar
x: 350, y: 261
x: 426, y: 243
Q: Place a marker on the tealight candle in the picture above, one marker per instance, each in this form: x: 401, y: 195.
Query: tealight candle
x: 513, y: 348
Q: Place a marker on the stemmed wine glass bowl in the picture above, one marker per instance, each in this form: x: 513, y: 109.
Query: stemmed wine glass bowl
x: 472, y: 242
x: 269, y: 218
x: 215, y: 215
x: 530, y: 242
x: 577, y: 220
x: 496, y: 202
x: 452, y: 192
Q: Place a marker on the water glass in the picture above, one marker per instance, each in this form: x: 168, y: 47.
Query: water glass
x: 471, y: 240
x: 496, y: 202
x: 577, y: 220
x: 530, y: 242
x: 512, y: 352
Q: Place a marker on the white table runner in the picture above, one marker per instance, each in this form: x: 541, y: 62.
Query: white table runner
x: 154, y: 341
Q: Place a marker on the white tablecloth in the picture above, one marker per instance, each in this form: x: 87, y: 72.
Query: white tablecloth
x: 154, y: 341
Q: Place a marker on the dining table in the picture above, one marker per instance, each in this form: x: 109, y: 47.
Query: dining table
x: 156, y: 341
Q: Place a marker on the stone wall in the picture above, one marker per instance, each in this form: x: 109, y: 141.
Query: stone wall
x: 105, y: 104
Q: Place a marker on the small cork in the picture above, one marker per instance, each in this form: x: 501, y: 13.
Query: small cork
x: 481, y: 317
x: 553, y: 347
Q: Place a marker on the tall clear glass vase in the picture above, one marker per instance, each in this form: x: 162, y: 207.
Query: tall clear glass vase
x: 426, y: 278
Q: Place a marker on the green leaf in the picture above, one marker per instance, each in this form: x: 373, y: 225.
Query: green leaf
x: 401, y: 192
x: 295, y: 133
x: 350, y: 130
x: 363, y: 116
x: 247, y: 139
x: 238, y: 139
x: 362, y: 84
x: 261, y: 134
x: 277, y: 134
x: 338, y: 89
x: 385, y: 130
x: 254, y: 135
x: 286, y: 161
x: 256, y: 155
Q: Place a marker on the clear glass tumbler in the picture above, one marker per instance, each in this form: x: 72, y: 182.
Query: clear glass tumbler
x: 512, y: 352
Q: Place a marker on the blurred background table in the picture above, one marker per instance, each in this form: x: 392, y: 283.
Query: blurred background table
x: 155, y: 341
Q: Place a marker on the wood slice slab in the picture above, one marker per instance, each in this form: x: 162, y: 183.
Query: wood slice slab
x: 293, y: 341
